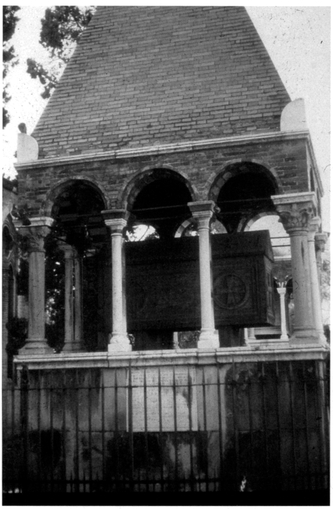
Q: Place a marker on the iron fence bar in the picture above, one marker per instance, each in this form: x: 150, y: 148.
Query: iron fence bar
x: 24, y: 423
x: 103, y: 427
x: 39, y: 395
x: 278, y: 411
x: 160, y: 426
x: 130, y: 421
x: 175, y: 424
x: 320, y: 419
x: 305, y: 393
x: 264, y: 414
x: 190, y: 400
x: 90, y: 429
x: 52, y: 433
x: 326, y: 416
x: 139, y: 480
x: 249, y: 384
x: 235, y: 420
x: 145, y: 422
x: 291, y: 399
x: 220, y: 417
x: 77, y: 455
x: 205, y: 421
x: 116, y: 435
x: 64, y: 427
x: 13, y: 406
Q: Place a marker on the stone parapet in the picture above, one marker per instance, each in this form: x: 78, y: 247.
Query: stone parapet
x: 193, y: 356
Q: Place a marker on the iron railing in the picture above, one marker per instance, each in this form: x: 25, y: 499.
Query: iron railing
x: 178, y: 428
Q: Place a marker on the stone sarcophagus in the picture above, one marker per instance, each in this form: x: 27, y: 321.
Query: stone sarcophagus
x: 163, y: 286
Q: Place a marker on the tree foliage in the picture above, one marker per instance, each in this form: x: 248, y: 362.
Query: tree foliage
x: 9, y: 57
x: 62, y: 27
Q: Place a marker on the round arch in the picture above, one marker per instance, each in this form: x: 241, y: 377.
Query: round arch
x: 141, y: 179
x: 183, y: 226
x: 242, y: 190
x: 64, y: 184
x: 191, y: 222
x: 246, y: 223
x: 238, y: 167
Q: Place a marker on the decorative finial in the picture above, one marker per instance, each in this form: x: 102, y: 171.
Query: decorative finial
x: 23, y: 128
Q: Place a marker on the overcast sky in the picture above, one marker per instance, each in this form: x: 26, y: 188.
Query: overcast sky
x: 297, y: 39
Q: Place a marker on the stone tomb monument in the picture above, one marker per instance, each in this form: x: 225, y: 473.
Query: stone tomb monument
x: 163, y: 288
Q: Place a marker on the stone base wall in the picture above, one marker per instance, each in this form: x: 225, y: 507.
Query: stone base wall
x: 182, y: 426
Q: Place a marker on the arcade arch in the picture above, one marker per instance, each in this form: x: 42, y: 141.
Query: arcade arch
x: 159, y: 198
x: 77, y: 253
x: 242, y: 190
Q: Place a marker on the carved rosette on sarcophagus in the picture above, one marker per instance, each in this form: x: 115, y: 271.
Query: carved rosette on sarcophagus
x: 242, y: 279
x: 163, y: 289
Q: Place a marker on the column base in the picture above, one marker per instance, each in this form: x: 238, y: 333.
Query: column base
x: 308, y: 338
x: 208, y: 339
x: 36, y: 347
x: 119, y: 343
x: 284, y: 337
x: 72, y: 347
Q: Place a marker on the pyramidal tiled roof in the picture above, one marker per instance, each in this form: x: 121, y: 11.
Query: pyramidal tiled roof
x: 144, y: 76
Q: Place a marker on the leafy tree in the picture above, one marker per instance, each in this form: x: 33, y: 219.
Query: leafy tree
x: 9, y: 57
x: 62, y: 27
x: 54, y: 293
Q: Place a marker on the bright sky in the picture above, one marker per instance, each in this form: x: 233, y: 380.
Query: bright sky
x: 297, y: 39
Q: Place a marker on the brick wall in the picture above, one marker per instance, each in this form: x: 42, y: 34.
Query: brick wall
x: 145, y: 76
x: 200, y: 167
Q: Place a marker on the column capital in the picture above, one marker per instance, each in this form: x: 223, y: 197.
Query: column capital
x: 202, y: 211
x: 281, y: 290
x: 116, y: 219
x: 296, y: 210
x: 314, y: 225
x: 320, y: 241
x: 35, y: 232
x: 67, y: 249
x: 202, y: 208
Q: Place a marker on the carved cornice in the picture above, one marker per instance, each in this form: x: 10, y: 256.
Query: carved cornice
x: 183, y: 146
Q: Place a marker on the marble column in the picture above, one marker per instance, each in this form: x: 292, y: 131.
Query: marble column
x: 72, y: 341
x: 316, y: 297
x: 78, y: 301
x: 202, y: 212
x: 116, y: 220
x: 282, y: 294
x: 35, y: 234
x: 295, y: 211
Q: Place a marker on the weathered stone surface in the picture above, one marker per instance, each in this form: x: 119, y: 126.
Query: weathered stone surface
x: 163, y: 290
